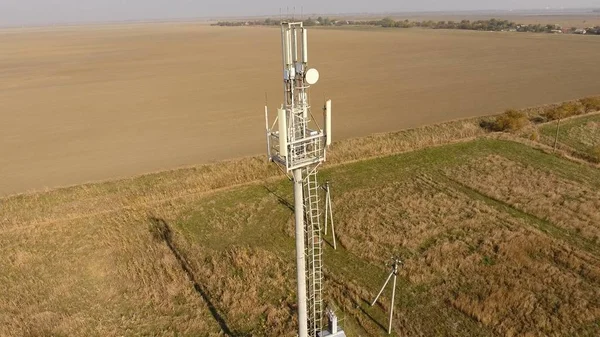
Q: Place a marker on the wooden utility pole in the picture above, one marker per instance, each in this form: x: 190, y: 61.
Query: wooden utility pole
x: 556, y: 138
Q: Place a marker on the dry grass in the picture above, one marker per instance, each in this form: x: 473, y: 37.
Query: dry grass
x: 588, y: 134
x: 563, y: 202
x: 190, y: 252
x: 170, y: 186
x: 135, y: 193
x: 102, y: 276
x: 386, y: 144
x: 109, y: 226
x: 578, y: 136
x: 253, y: 286
x: 565, y: 110
x: 513, y: 279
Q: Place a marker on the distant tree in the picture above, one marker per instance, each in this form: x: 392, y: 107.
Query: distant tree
x: 387, y: 22
x: 404, y: 24
x: 309, y: 22
x: 440, y: 25
x: 465, y: 24
x: 428, y: 23
x: 483, y: 25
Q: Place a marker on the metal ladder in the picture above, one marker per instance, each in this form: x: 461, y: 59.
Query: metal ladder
x: 314, y: 252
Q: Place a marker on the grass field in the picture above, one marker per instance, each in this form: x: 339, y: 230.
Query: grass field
x: 580, y: 134
x: 89, y: 103
x: 498, y: 238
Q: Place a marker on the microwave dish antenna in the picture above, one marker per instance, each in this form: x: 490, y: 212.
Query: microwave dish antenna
x: 312, y: 76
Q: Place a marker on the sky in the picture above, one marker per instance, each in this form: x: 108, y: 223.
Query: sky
x: 36, y: 12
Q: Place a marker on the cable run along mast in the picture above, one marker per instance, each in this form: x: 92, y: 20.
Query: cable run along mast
x: 297, y: 143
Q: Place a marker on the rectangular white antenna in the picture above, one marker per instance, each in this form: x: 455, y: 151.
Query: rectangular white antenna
x: 283, y: 136
x: 328, y: 122
x: 284, y: 47
x: 294, y: 46
x: 288, y: 41
x: 267, y: 128
x: 304, y: 46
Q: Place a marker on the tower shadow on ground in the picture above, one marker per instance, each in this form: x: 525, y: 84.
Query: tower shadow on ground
x: 367, y: 304
x: 161, y: 230
x: 283, y: 201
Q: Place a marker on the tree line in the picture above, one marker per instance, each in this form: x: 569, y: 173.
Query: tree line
x: 492, y: 25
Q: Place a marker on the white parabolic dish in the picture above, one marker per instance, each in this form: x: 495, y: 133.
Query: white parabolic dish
x: 312, y: 76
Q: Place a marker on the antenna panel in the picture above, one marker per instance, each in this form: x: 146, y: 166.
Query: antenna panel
x: 328, y: 122
x: 283, y: 139
x: 304, y: 46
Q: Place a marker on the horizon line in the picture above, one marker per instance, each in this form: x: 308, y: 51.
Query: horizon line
x: 540, y: 12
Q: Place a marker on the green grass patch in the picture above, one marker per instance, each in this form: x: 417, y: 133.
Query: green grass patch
x: 260, y: 216
x: 237, y: 245
x: 581, y: 134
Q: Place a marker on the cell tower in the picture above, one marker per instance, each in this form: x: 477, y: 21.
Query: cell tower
x: 298, y: 144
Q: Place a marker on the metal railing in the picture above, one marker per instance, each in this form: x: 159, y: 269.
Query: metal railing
x: 300, y: 153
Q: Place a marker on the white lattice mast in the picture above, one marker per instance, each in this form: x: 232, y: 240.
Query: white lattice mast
x: 298, y: 144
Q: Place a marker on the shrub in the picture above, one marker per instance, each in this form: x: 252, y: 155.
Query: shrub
x: 554, y: 114
x: 512, y: 120
x: 539, y: 119
x: 488, y: 124
x: 564, y: 110
x: 590, y: 104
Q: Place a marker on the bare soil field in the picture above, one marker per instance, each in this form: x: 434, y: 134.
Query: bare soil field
x: 82, y: 104
x: 193, y: 252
